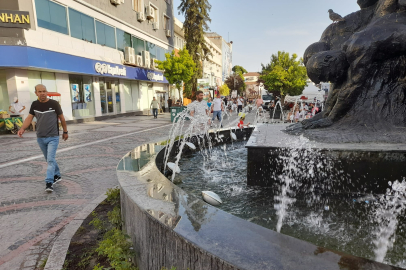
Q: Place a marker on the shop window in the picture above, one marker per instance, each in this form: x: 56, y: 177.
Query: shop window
x: 81, y: 26
x: 151, y: 47
x: 106, y: 35
x: 82, y: 98
x: 52, y: 16
x: 123, y: 39
x: 138, y: 45
x: 38, y: 77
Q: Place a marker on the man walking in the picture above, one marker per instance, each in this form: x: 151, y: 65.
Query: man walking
x: 240, y: 102
x: 155, y: 107
x: 47, y: 112
x: 217, y: 109
x: 169, y: 103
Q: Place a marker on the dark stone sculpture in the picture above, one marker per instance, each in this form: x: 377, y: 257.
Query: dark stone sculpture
x: 364, y: 57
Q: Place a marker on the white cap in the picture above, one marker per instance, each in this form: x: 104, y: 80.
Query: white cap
x: 15, y: 99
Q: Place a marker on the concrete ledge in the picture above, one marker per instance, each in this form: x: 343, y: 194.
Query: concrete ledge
x: 169, y: 227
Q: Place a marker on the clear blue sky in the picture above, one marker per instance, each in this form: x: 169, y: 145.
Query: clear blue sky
x: 260, y: 28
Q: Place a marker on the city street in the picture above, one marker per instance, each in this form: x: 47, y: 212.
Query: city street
x: 31, y: 219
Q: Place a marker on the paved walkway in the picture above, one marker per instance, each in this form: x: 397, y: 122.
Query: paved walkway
x: 30, y: 218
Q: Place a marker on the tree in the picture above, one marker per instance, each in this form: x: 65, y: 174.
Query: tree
x: 236, y: 82
x: 224, y: 90
x: 285, y: 74
x: 240, y: 70
x: 196, y: 14
x: 178, y: 68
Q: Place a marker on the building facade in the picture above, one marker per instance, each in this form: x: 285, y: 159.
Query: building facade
x: 226, y: 53
x: 253, y: 87
x: 212, y: 67
x: 97, y: 54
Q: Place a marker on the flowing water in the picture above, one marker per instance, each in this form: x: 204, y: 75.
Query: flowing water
x: 365, y: 225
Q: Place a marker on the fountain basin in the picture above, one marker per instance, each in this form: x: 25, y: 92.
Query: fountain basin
x: 359, y: 168
x: 170, y: 227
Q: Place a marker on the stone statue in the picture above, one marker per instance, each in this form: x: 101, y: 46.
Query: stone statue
x: 364, y: 57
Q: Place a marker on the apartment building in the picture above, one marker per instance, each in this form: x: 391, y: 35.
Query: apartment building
x: 98, y: 55
x: 226, y: 53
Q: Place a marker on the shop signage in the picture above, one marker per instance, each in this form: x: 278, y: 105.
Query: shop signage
x: 107, y: 69
x: 155, y: 77
x: 15, y: 18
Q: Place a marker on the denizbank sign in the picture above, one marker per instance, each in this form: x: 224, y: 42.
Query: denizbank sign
x: 14, y: 18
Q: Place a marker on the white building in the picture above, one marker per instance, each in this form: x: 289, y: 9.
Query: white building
x: 77, y: 48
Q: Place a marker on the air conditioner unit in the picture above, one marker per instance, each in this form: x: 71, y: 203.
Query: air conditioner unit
x: 153, y: 64
x: 138, y: 60
x: 168, y: 33
x: 129, y: 55
x: 150, y: 13
x: 155, y: 25
x: 115, y: 2
x: 141, y: 16
x: 146, y: 58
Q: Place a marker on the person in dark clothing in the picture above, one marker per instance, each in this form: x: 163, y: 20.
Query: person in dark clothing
x: 47, y: 112
x: 169, y: 102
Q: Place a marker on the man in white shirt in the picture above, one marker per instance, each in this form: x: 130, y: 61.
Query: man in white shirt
x: 198, y: 107
x: 240, y: 102
x: 16, y: 107
x: 217, y: 108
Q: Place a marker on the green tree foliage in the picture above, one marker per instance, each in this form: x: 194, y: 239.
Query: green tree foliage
x: 236, y: 82
x: 239, y: 70
x: 196, y: 14
x: 178, y: 68
x: 224, y: 90
x: 285, y: 74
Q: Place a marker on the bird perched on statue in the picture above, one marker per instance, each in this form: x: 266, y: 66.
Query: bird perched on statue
x: 335, y: 17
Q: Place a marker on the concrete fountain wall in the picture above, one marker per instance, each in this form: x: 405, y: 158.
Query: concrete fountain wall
x: 169, y: 227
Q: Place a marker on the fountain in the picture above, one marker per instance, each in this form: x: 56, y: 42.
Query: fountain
x: 293, y: 197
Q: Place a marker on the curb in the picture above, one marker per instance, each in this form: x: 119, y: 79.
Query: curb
x: 56, y: 258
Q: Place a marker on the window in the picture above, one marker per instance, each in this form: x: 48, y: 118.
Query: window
x: 51, y: 16
x: 156, y: 14
x: 82, y: 98
x: 81, y: 26
x: 123, y: 39
x: 138, y: 45
x: 166, y: 22
x: 151, y: 47
x: 137, y: 5
x: 160, y: 53
x: 105, y: 35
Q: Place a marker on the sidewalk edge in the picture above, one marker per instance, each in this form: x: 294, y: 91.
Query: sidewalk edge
x: 56, y: 258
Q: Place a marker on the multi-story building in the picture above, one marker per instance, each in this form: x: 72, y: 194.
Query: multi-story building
x: 212, y: 66
x: 179, y: 35
x: 226, y: 53
x: 253, y: 87
x: 97, y: 54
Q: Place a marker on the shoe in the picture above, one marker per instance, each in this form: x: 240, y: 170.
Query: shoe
x: 57, y: 179
x: 49, y: 188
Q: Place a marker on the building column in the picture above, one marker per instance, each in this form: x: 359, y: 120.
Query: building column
x: 63, y: 88
x: 122, y: 96
x: 17, y: 86
x: 96, y: 96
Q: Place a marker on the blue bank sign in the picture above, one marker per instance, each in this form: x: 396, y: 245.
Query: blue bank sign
x: 29, y: 57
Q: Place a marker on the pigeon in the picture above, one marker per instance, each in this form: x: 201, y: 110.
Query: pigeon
x: 335, y: 17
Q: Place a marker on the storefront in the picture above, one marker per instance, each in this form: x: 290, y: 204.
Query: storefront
x: 88, y: 87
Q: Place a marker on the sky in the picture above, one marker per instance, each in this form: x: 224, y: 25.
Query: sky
x: 260, y: 28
